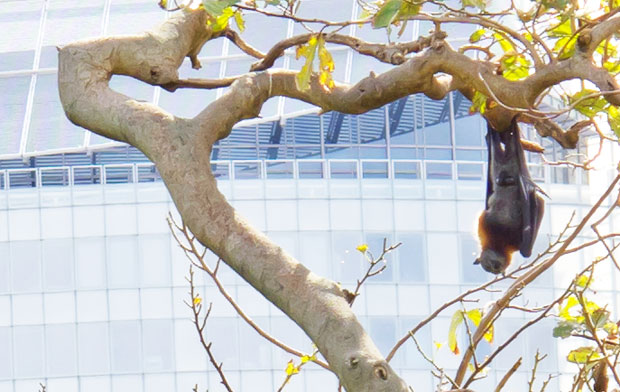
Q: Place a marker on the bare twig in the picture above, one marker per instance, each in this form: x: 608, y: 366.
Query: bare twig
x: 200, y: 263
x: 537, y: 359
x: 196, y: 305
x: 524, y: 280
x: 508, y: 374
x: 371, y: 271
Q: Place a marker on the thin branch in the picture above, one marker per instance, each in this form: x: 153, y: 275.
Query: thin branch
x: 429, y: 360
x: 537, y: 359
x: 508, y: 374
x: 525, y: 279
x: 371, y: 271
x: 200, y: 263
x: 239, y: 42
x: 196, y: 306
x: 388, y: 53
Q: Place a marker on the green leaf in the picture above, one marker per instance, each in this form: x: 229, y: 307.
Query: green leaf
x: 607, y: 47
x: 583, y: 355
x: 591, y: 106
x: 564, y: 329
x: 215, y: 8
x: 566, y: 45
x: 409, y: 8
x: 562, y: 29
x: 480, y: 4
x: 515, y: 67
x: 387, y: 14
x: 611, y: 328
x: 476, y: 35
x: 503, y: 42
x: 613, y: 115
x: 613, y: 67
x: 305, y: 74
x: 457, y: 319
x: 600, y: 317
x: 559, y: 5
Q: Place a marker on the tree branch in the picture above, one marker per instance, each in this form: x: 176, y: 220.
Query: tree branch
x: 388, y: 53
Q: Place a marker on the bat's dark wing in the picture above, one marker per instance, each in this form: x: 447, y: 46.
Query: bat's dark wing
x: 532, y: 205
x: 491, y: 155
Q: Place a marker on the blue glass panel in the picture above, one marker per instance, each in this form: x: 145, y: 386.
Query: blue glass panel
x: 383, y: 332
x: 5, y: 353
x: 49, y: 127
x: 411, y: 358
x: 60, y: 341
x: 260, y: 34
x: 10, y: 61
x: 372, y: 126
x: 158, y: 346
x: 468, y: 253
x: 405, y: 153
x: 189, y: 102
x: 28, y: 351
x: 471, y: 155
x: 125, y: 344
x: 132, y: 88
x: 133, y: 16
x: 323, y: 9
x: 68, y: 21
x: 438, y: 154
x: 12, y: 111
x: 302, y: 130
x: 361, y: 66
x: 410, y: 256
x: 468, y: 131
x: 438, y: 134
x: 21, y: 20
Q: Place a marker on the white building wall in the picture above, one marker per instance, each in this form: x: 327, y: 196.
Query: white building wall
x: 92, y: 284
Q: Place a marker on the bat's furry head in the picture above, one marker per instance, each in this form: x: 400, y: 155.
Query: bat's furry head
x: 493, y: 261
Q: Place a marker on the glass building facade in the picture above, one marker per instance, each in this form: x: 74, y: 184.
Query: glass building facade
x: 92, y: 284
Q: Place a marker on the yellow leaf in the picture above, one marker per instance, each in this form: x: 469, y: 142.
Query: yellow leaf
x: 197, y: 300
x: 583, y: 281
x: 504, y: 42
x: 239, y: 21
x: 438, y: 345
x: 308, y: 51
x: 583, y: 355
x: 291, y: 368
x: 475, y: 315
x: 305, y: 359
x: 362, y: 248
x: 220, y: 22
x: 457, y: 319
x: 326, y: 66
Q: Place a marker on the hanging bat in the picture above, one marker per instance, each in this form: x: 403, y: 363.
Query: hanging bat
x: 513, y: 209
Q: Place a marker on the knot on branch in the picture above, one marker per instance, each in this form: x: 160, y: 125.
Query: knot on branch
x: 369, y: 90
x: 584, y: 39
